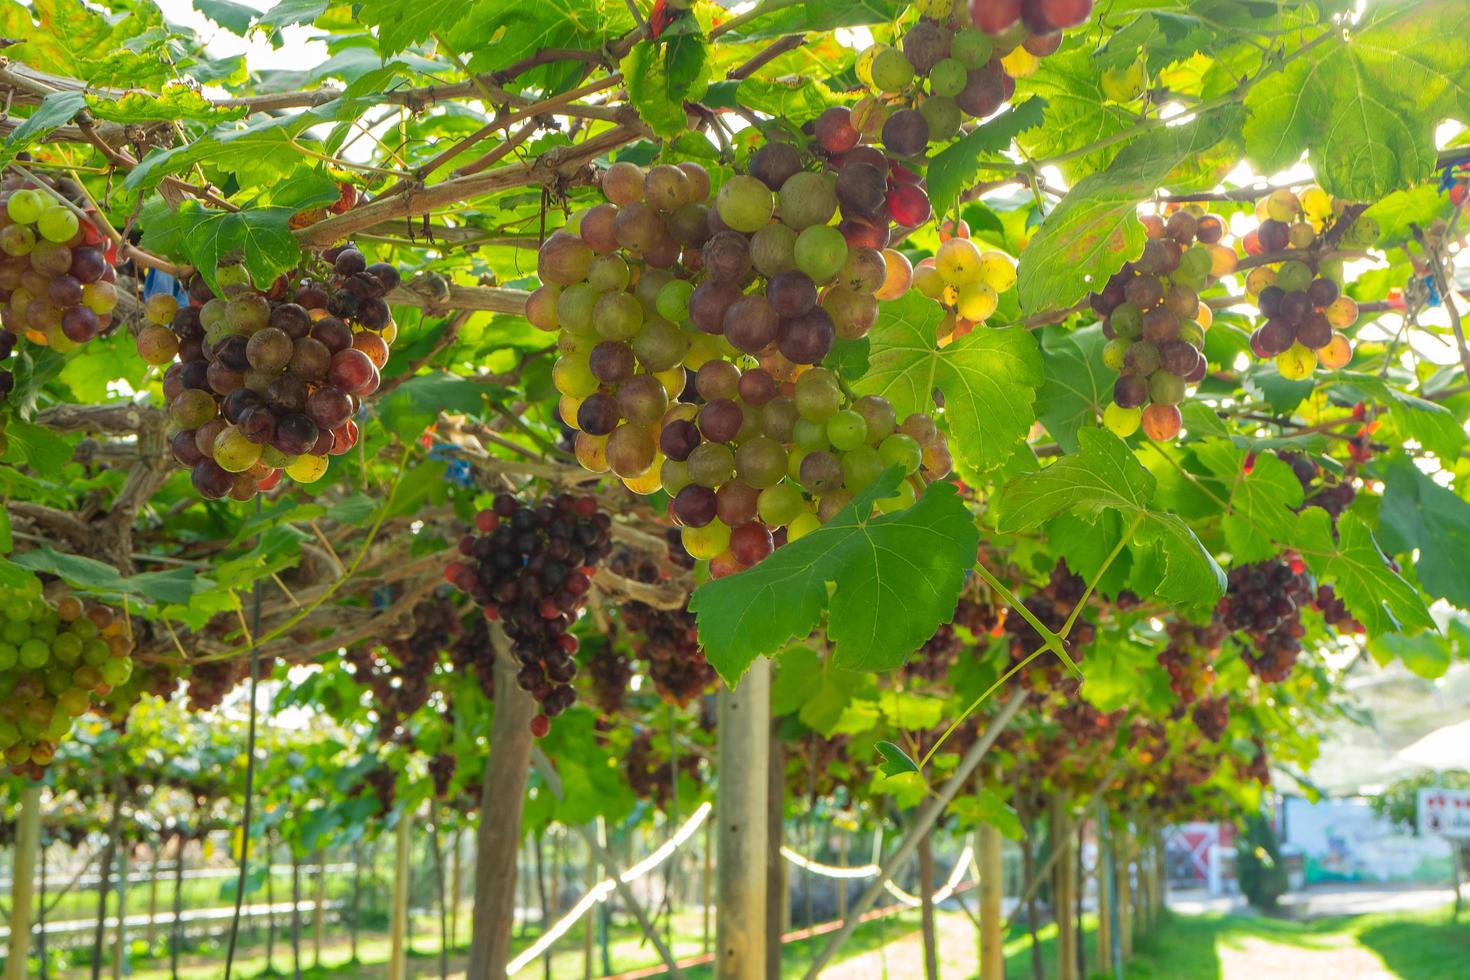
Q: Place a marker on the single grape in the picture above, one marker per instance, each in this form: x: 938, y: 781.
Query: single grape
x: 808, y: 199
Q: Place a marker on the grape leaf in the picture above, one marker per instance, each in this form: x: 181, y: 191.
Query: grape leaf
x: 1374, y: 593
x: 495, y: 35
x: 1259, y: 516
x: 988, y: 378
x: 1095, y: 228
x: 1366, y: 109
x: 1431, y: 423
x: 1427, y: 654
x: 56, y: 109
x: 260, y: 237
x: 986, y: 806
x: 896, y: 576
x: 233, y: 17
x: 43, y: 450
x: 1418, y: 513
x: 1077, y: 385
x: 1077, y: 112
x: 175, y: 101
x: 895, y: 760
x: 957, y: 164
x: 414, y: 405
x: 175, y: 585
x: 790, y: 98
x: 1122, y: 673
x: 288, y: 13
x: 817, y: 15
x: 1417, y: 205
x: 1105, y: 476
x: 73, y: 39
x: 661, y: 77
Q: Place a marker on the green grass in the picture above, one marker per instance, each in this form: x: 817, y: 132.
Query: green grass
x: 1427, y: 945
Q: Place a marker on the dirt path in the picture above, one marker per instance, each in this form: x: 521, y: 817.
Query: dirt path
x: 1339, y: 958
x: 904, y: 954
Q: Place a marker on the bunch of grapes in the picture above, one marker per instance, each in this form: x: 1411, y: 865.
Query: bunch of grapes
x: 207, y: 683
x: 399, y: 672
x: 1155, y: 322
x: 441, y: 771
x: 1300, y: 295
x: 531, y: 567
x: 1333, y: 497
x: 1188, y: 657
x: 1259, y: 768
x: 1334, y: 611
x: 748, y: 295
x: 608, y: 672
x: 473, y: 655
x: 56, y: 278
x: 931, y: 662
x: 964, y: 280
x: 667, y: 640
x: 382, y: 782
x: 1264, y: 601
x: 57, y: 660
x: 651, y: 776
x: 1211, y: 715
x: 944, y: 71
x: 268, y: 382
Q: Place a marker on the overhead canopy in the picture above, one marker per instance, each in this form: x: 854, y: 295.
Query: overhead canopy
x: 1443, y: 748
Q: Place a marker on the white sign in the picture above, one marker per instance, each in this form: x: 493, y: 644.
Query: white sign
x: 1444, y: 812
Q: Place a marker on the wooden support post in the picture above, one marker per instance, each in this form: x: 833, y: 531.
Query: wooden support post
x: 1125, y: 894
x: 926, y: 905
x: 502, y: 800
x: 23, y: 881
x: 706, y: 880
x: 176, y: 928
x: 842, y: 844
x: 295, y: 914
x: 153, y: 892
x: 398, y: 922
x: 120, y: 927
x: 1063, y: 899
x: 992, y: 890
x: 777, y: 885
x: 744, y: 730
x: 319, y: 914
x: 589, y: 930
x: 455, y: 884
x: 1104, y: 894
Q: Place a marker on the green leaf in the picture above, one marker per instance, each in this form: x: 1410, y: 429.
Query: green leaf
x: 818, y: 15
x: 55, y: 110
x: 896, y: 576
x: 895, y: 760
x: 1105, y: 476
x: 1077, y: 386
x: 174, y: 102
x: 914, y: 712
x: 1259, y: 518
x: 789, y: 98
x: 1433, y: 425
x: 986, y: 806
x: 1095, y: 229
x: 1366, y: 108
x: 1419, y: 514
x: 414, y: 405
x: 233, y: 17
x: 1374, y: 593
x: 1078, y: 114
x: 43, y: 450
x: 1416, y: 206
x: 988, y: 378
x: 6, y: 541
x: 662, y: 77
x: 288, y: 13
x: 496, y: 35
x: 1427, y: 654
x: 260, y: 237
x: 959, y: 163
x: 176, y: 585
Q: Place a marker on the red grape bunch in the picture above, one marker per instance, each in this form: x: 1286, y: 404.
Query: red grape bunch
x: 1264, y: 601
x: 1211, y: 716
x: 400, y: 671
x: 608, y: 674
x: 1051, y: 606
x: 58, y: 660
x: 944, y: 71
x: 1155, y: 322
x: 530, y: 568
x: 1300, y: 296
x: 650, y: 774
x: 749, y: 293
x: 1189, y: 658
x: 267, y: 383
x: 57, y: 282
x: 665, y: 641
